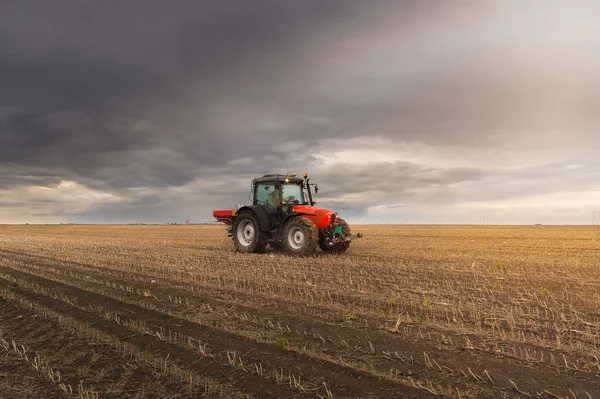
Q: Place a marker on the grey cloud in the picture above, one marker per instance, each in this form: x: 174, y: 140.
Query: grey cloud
x: 173, y: 109
x: 78, y: 80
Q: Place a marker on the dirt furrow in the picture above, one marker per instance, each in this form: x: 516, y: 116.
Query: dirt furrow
x: 18, y: 378
x: 231, y: 379
x: 213, y: 295
x: 343, y: 381
x: 281, y: 309
x: 502, y: 369
x: 18, y: 381
x: 72, y: 365
x: 489, y: 315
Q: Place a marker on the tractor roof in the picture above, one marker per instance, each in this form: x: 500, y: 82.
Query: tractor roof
x: 273, y: 178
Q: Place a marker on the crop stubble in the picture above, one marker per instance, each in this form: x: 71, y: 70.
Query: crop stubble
x: 409, y: 311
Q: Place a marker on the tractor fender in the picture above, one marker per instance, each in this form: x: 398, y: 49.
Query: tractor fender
x: 259, y: 211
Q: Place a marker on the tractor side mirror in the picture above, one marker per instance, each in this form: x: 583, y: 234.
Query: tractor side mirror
x: 316, y: 189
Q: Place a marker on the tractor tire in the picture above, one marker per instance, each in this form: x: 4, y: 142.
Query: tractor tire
x: 338, y: 247
x: 247, y: 236
x: 300, y: 237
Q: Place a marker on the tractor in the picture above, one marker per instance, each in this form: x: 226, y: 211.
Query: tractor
x: 283, y: 215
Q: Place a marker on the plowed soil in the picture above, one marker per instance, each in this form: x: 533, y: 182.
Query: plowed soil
x: 407, y: 312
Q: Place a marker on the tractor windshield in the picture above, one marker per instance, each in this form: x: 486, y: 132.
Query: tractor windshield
x: 293, y: 194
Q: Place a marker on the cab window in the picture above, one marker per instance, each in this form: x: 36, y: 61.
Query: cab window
x: 262, y: 192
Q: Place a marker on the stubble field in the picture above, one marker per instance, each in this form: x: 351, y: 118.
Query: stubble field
x: 408, y: 311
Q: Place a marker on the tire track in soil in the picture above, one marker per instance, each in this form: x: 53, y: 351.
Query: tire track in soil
x: 18, y: 381
x: 405, y: 366
x: 536, y: 376
x: 339, y: 297
x: 228, y: 294
x: 100, y: 368
x: 378, y: 362
x: 341, y: 380
x: 248, y: 383
x: 18, y: 378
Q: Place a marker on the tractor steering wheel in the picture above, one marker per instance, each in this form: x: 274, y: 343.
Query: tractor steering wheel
x: 291, y: 199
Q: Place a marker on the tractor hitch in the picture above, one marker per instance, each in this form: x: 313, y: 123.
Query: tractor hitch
x: 342, y: 238
x: 353, y: 237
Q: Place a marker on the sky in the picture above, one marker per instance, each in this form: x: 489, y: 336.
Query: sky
x: 147, y: 111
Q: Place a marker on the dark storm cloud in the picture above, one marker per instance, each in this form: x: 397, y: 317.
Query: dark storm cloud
x: 163, y: 111
x: 85, y: 85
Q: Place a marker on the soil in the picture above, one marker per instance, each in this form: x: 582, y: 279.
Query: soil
x: 245, y: 342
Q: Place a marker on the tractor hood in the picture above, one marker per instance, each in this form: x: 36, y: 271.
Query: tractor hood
x: 319, y: 216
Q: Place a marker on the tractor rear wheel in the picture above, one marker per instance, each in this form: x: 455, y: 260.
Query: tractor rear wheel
x: 247, y: 236
x: 338, y: 247
x: 300, y: 237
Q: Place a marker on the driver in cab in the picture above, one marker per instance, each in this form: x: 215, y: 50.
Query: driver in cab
x: 274, y: 198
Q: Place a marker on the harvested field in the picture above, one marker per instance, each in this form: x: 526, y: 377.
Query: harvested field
x: 408, y: 311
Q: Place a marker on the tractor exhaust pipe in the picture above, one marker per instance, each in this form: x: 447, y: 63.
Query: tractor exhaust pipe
x: 310, y: 198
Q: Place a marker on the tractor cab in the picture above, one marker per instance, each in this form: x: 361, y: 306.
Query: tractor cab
x: 279, y: 194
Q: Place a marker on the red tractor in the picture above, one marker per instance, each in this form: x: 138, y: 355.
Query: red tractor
x: 283, y: 215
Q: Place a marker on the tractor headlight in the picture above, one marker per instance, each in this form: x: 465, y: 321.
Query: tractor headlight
x: 331, y: 218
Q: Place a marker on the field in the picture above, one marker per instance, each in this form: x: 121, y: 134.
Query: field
x: 408, y: 311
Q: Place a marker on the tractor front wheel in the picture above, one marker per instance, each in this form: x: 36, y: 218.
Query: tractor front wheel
x: 247, y: 236
x: 300, y: 237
